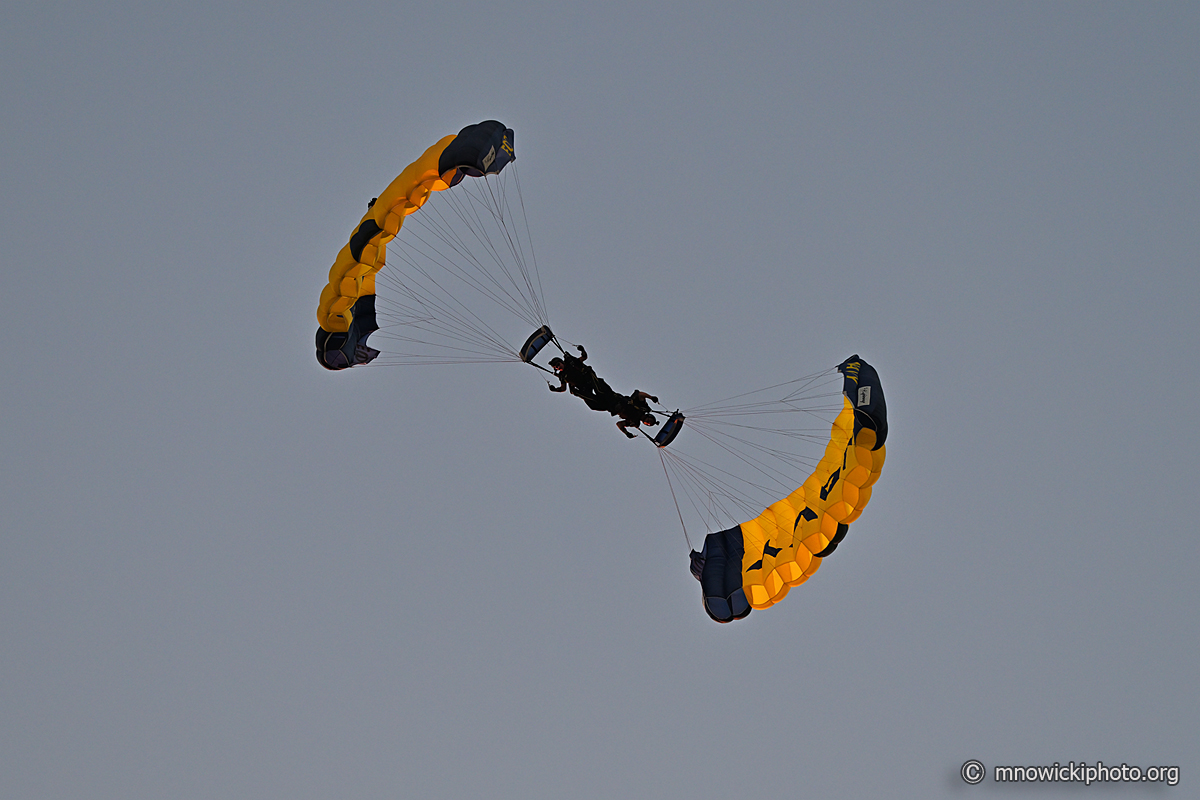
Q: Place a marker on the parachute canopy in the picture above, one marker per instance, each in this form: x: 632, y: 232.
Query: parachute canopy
x: 755, y: 564
x: 346, y: 312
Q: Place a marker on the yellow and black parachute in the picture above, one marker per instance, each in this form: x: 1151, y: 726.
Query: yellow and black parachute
x: 754, y: 564
x: 347, y: 310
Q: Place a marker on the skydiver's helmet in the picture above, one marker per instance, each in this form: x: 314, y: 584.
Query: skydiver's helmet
x: 557, y: 364
x: 650, y: 420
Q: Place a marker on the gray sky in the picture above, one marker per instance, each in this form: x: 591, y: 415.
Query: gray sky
x: 227, y: 573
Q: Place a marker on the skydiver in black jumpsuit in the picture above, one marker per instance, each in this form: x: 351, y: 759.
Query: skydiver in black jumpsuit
x: 634, y: 410
x: 583, y: 382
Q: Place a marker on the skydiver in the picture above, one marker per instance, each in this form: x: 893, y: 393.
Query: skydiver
x: 582, y: 380
x: 634, y: 410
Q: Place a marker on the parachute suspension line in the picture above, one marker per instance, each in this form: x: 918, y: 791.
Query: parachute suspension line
x: 454, y: 333
x: 465, y: 207
x: 440, y: 312
x: 716, y: 483
x: 778, y: 478
x: 500, y: 202
x: 761, y: 429
x: 498, y: 208
x: 828, y: 403
x: 451, y: 242
x: 736, y: 444
x: 662, y: 459
x: 749, y: 448
x: 714, y: 490
x: 456, y: 312
x: 539, y: 294
x: 439, y: 317
x: 709, y: 495
x: 492, y: 197
x: 468, y: 212
x: 806, y: 382
x: 466, y: 237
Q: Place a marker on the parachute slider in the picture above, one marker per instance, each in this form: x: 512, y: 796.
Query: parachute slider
x: 669, y: 430
x: 534, y: 344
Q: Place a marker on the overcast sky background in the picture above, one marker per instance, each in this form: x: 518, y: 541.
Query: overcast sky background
x: 228, y: 573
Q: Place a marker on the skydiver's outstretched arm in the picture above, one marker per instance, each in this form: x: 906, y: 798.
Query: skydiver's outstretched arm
x: 582, y: 352
x: 621, y: 427
x: 562, y: 387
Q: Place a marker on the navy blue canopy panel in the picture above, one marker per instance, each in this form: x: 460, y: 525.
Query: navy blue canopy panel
x: 718, y: 567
